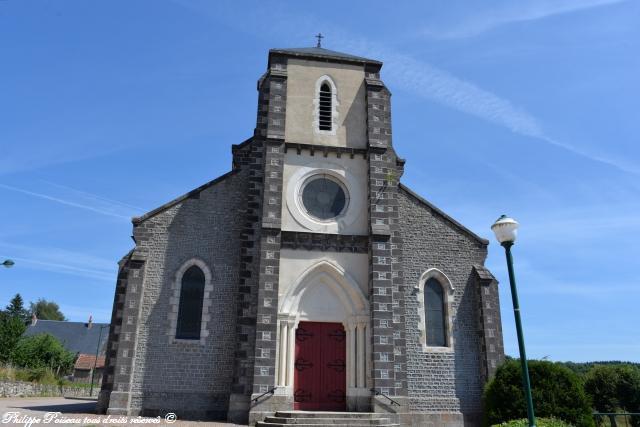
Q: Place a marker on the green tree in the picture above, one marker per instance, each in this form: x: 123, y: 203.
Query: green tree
x: 11, y: 329
x: 557, y: 392
x: 47, y: 310
x: 601, y: 384
x: 16, y: 308
x: 629, y: 387
x: 42, y: 351
x: 629, y: 391
x: 615, y: 388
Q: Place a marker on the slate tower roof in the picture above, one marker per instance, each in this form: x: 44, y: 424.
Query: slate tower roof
x: 322, y: 53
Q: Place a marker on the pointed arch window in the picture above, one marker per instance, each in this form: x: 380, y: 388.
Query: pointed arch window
x: 325, y: 107
x: 190, y: 308
x: 435, y: 314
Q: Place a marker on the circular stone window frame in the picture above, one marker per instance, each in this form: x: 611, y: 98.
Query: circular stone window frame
x: 329, y: 177
x: 350, y: 184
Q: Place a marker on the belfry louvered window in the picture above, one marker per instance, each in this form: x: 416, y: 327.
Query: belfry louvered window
x: 190, y: 308
x: 325, y: 107
x: 434, y: 313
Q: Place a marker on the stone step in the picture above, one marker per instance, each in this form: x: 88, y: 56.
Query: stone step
x: 349, y: 424
x: 327, y: 414
x: 330, y: 420
x: 327, y: 419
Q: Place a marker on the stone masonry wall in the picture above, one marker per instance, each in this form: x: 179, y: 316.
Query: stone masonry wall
x: 190, y: 378
x: 386, y: 282
x: 442, y: 381
x: 27, y: 389
x: 114, y: 335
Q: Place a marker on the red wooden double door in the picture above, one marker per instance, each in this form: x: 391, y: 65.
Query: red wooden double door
x: 320, y: 367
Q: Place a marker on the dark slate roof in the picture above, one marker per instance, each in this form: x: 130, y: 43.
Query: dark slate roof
x: 75, y: 336
x: 319, y: 52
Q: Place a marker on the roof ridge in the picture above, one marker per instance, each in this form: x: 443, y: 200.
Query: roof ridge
x: 68, y: 322
x: 139, y: 219
x: 322, y: 52
x: 447, y: 217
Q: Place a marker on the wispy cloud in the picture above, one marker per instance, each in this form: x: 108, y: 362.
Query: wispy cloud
x: 86, y: 201
x: 440, y: 86
x: 539, y: 281
x: 587, y: 224
x: 61, y: 261
x: 512, y: 12
x: 422, y: 78
x: 95, y: 197
x: 63, y: 268
x: 28, y: 151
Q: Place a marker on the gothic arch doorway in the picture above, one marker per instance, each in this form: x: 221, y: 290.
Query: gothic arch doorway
x: 324, y: 324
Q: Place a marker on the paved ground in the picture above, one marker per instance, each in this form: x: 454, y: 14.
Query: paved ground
x: 56, y: 411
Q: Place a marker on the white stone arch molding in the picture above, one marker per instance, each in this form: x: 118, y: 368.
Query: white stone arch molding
x: 334, y: 106
x: 346, y: 179
x: 338, y: 281
x: 449, y: 292
x: 174, y: 301
x: 325, y: 292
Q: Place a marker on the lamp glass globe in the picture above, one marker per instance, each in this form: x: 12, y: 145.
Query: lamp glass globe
x: 505, y: 229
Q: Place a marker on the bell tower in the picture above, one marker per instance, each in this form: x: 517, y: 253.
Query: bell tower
x: 328, y: 251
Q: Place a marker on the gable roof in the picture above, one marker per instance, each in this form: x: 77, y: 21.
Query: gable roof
x: 319, y: 52
x: 191, y: 194
x: 86, y: 362
x: 76, y: 337
x: 443, y: 215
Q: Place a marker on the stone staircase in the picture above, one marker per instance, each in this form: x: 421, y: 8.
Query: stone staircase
x: 327, y: 419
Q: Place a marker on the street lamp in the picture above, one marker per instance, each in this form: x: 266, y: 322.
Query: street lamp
x: 8, y: 263
x: 505, y: 229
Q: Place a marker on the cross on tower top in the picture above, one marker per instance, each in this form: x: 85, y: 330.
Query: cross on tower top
x: 319, y: 36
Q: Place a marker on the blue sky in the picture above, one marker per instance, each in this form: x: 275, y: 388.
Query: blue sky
x: 109, y: 109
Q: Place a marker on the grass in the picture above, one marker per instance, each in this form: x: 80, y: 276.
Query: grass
x: 38, y: 376
x: 621, y: 421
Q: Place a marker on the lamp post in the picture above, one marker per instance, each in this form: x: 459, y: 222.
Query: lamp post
x: 8, y: 263
x: 505, y: 229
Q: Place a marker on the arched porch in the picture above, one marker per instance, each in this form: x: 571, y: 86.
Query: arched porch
x: 325, y: 292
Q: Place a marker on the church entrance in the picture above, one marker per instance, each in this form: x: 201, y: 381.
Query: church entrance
x: 320, y: 367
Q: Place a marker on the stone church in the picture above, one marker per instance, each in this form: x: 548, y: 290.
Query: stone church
x: 308, y: 277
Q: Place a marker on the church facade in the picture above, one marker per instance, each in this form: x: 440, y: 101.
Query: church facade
x: 308, y: 277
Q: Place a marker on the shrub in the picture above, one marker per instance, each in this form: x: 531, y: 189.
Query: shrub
x: 36, y: 375
x: 7, y: 373
x: 42, y: 352
x: 540, y: 422
x: 39, y: 375
x: 557, y: 392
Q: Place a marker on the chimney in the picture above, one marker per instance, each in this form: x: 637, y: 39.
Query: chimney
x: 34, y: 319
x: 90, y: 323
